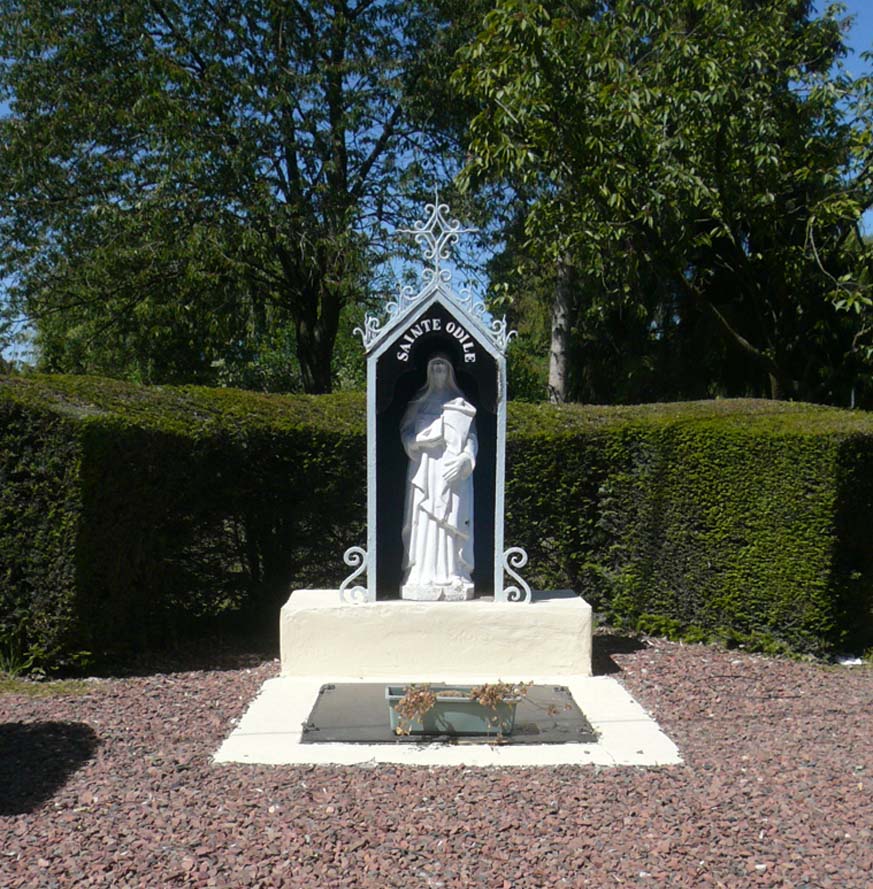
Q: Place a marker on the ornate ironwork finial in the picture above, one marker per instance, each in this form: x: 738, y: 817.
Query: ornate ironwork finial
x: 438, y: 234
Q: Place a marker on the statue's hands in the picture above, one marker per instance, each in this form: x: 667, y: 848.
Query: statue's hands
x: 429, y: 438
x: 457, y: 467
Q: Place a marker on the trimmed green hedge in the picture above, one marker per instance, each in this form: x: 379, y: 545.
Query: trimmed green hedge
x: 741, y: 520
x: 130, y: 515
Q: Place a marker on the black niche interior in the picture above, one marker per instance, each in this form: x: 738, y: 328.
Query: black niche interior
x: 396, y: 383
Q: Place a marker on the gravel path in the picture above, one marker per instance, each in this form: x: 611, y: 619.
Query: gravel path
x: 116, y: 788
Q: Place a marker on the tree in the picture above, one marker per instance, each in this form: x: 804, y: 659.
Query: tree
x: 215, y: 173
x: 154, y: 298
x: 702, y: 164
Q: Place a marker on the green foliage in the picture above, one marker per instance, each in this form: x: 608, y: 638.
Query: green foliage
x: 192, y: 192
x: 132, y: 515
x: 58, y: 688
x: 521, y: 290
x: 704, y: 167
x: 40, y: 510
x: 730, y: 517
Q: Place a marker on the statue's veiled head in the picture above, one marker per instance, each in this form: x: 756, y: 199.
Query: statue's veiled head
x: 440, y: 373
x: 441, y: 383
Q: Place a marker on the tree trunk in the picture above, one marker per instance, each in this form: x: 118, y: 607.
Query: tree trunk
x: 559, y: 351
x: 316, y: 335
x: 314, y: 355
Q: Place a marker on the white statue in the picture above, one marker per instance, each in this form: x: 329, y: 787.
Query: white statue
x: 438, y: 431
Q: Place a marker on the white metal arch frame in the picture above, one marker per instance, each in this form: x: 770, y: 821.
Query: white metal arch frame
x: 437, y: 235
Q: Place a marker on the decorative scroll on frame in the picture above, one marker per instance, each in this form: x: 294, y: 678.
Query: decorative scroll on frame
x: 515, y: 557
x: 355, y: 557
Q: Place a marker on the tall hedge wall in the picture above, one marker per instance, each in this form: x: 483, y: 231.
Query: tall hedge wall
x: 128, y: 515
x: 739, y: 519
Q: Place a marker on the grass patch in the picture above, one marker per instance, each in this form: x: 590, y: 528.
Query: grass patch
x: 14, y: 685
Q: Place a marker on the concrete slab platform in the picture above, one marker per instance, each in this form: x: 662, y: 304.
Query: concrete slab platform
x: 322, y: 635
x: 271, y: 729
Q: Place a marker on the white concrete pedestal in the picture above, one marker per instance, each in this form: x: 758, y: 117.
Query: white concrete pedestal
x: 393, y: 638
x: 547, y: 642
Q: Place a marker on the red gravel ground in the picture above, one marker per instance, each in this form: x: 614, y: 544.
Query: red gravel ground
x: 116, y: 787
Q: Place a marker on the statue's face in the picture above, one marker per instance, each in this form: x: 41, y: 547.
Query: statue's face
x: 439, y: 373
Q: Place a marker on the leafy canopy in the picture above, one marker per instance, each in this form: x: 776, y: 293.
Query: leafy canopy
x: 709, y: 152
x: 211, y: 175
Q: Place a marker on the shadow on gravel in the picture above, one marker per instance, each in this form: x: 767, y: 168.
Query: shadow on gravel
x: 603, y: 647
x: 37, y: 759
x: 161, y: 662
x: 215, y: 653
